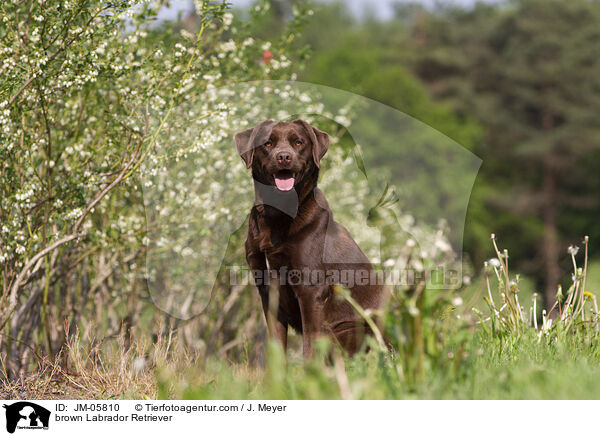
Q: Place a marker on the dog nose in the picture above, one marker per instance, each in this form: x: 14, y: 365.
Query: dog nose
x: 284, y: 157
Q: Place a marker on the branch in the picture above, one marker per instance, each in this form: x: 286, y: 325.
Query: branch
x: 107, y: 189
x: 13, y: 293
x: 55, y: 55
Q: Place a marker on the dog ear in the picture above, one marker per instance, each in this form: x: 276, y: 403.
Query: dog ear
x: 246, y: 141
x: 319, y: 139
x: 242, y: 143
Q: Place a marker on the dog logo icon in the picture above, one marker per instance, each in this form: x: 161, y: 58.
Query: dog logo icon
x: 26, y: 415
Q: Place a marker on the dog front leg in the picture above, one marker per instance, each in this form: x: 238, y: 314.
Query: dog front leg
x: 312, y: 311
x: 275, y: 326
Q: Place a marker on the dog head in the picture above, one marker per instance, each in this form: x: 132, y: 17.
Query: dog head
x: 282, y: 154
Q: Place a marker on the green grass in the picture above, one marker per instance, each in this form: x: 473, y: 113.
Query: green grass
x: 507, y: 368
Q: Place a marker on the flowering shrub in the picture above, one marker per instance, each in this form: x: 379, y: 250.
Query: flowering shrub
x: 81, y: 83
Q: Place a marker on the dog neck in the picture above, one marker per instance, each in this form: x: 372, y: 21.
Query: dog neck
x: 278, y: 212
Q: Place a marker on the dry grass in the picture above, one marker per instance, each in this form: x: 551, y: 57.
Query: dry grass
x: 113, y: 370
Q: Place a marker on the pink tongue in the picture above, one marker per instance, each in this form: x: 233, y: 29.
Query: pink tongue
x: 284, y: 184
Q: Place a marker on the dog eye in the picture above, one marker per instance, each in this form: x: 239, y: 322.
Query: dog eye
x: 298, y: 143
x: 268, y: 144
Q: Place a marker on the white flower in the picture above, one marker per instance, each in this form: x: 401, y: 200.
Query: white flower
x: 457, y: 301
x: 495, y: 262
x: 199, y: 5
x: 228, y: 46
x: 227, y: 19
x: 442, y: 245
x: 304, y: 98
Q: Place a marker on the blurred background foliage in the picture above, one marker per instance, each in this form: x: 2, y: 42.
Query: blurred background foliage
x: 515, y: 82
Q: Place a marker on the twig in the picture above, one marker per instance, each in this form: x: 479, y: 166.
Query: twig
x: 13, y: 293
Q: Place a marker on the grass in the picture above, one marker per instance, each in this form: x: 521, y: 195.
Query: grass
x: 508, y: 368
x: 501, y: 354
x: 111, y: 373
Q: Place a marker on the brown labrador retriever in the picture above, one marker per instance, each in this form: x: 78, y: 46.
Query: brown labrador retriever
x: 292, y: 237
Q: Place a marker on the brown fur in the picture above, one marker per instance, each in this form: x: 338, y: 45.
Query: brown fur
x: 303, y: 238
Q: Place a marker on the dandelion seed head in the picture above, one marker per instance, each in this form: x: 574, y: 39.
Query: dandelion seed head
x: 495, y: 262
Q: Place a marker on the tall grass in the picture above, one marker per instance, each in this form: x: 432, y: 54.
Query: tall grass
x: 572, y: 313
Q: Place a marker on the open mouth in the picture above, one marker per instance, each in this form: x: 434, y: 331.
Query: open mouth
x: 284, y: 180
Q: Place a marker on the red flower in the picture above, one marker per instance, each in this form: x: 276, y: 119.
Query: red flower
x: 267, y: 56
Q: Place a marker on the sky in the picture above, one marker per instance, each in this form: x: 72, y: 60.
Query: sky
x: 380, y: 8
